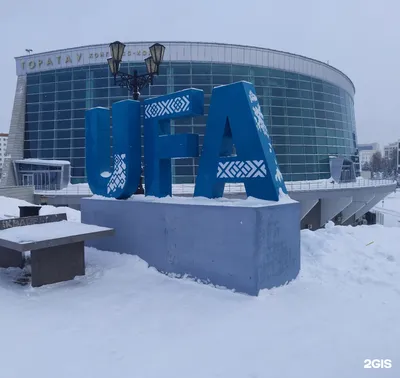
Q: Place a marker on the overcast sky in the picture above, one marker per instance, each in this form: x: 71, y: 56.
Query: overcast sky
x: 359, y: 37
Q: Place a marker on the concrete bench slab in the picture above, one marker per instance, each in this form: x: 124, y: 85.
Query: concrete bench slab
x: 27, y: 238
x: 57, y: 248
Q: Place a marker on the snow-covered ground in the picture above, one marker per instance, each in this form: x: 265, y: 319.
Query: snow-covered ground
x: 124, y: 319
x: 389, y: 209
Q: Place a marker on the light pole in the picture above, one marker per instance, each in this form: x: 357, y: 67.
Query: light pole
x: 135, y: 83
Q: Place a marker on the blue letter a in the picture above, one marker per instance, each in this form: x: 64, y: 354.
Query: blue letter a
x: 235, y: 117
x: 123, y: 179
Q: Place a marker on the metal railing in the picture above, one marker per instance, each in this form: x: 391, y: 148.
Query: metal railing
x: 187, y: 189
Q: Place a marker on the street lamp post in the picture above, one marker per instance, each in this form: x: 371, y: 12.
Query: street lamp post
x: 135, y: 83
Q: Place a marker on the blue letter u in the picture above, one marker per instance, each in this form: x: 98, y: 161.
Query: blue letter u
x: 122, y: 180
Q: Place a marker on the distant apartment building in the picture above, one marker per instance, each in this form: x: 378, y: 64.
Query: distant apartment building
x: 3, y: 148
x: 366, y: 151
x: 392, y: 150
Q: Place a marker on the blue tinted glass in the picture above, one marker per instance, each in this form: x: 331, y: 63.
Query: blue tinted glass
x: 299, y: 111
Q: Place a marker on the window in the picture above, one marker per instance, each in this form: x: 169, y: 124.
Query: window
x: 181, y: 69
x: 292, y: 121
x: 32, y: 117
x: 63, y: 124
x: 294, y: 112
x: 32, y: 98
x: 277, y: 121
x: 63, y: 153
x: 305, y: 85
x: 293, y: 102
x: 277, y: 92
x: 64, y: 86
x: 78, y: 142
x: 186, y: 79
x: 31, y: 145
x: 276, y: 73
x: 292, y: 84
x: 293, y: 140
x: 63, y: 114
x: 30, y: 108
x: 63, y: 134
x: 32, y: 126
x: 275, y: 111
x: 63, y: 143
x: 79, y: 84
x: 78, y: 133
x: 201, y: 69
x: 29, y: 135
x: 317, y: 87
x: 202, y: 79
x: 275, y: 82
x: 47, y: 125
x: 49, y: 97
x: 46, y: 134
x: 65, y: 105
x: 78, y: 162
x: 79, y: 94
x: 305, y: 94
x: 47, y: 144
x: 278, y: 101
x: 102, y: 92
x: 33, y: 79
x: 221, y: 79
x: 100, y: 83
x: 78, y: 123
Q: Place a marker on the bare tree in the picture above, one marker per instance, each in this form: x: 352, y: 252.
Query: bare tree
x: 376, y: 162
x: 366, y: 166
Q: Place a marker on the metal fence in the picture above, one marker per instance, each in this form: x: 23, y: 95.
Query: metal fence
x: 292, y: 186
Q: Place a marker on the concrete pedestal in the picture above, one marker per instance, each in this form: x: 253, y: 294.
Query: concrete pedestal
x: 245, y: 245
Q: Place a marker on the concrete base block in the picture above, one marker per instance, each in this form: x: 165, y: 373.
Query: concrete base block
x: 57, y: 264
x: 10, y: 258
x: 246, y: 246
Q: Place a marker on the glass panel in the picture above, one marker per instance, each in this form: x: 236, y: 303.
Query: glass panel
x: 201, y: 68
x: 63, y: 143
x: 32, y: 108
x: 48, y: 77
x: 49, y: 125
x: 33, y: 79
x: 64, y: 86
x: 181, y: 69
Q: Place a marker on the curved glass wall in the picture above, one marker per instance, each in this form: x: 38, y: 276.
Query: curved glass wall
x: 309, y: 120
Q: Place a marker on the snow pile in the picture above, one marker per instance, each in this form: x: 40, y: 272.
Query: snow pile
x: 391, y: 202
x: 344, y: 256
x: 72, y: 214
x: 124, y: 319
x: 9, y: 209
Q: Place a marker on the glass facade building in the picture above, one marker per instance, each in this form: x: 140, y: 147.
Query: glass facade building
x: 308, y: 105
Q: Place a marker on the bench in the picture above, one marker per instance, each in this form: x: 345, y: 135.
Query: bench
x: 57, y: 246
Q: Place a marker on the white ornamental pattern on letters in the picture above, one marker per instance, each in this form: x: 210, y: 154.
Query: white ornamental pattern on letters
x: 258, y: 116
x: 118, y: 178
x: 171, y: 106
x: 252, y: 96
x: 278, y: 174
x: 242, y: 169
